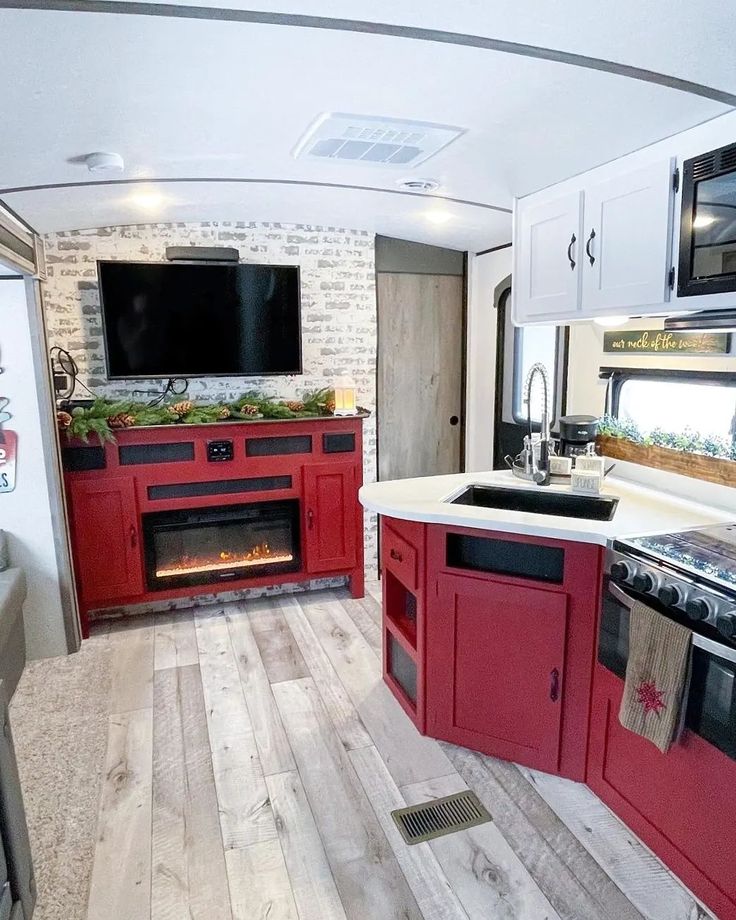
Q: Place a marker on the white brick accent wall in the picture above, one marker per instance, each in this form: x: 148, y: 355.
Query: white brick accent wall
x: 338, y: 308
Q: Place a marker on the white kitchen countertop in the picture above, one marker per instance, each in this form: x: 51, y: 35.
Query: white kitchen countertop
x: 641, y: 510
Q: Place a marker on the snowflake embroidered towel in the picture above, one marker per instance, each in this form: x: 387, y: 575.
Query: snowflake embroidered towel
x: 657, y: 676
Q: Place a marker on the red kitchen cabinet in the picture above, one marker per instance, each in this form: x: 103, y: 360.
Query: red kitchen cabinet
x: 509, y: 644
x: 106, y: 539
x: 499, y: 683
x: 402, y: 565
x: 681, y: 804
x: 330, y: 516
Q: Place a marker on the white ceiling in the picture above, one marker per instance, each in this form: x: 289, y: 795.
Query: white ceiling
x: 182, y: 98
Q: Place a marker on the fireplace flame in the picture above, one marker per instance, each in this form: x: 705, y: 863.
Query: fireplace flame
x: 261, y: 554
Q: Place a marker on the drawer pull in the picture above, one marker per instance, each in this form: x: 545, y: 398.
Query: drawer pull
x: 395, y: 554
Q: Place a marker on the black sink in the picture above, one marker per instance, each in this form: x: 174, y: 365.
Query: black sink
x: 538, y: 501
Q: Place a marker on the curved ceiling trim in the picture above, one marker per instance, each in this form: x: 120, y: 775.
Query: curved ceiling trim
x: 419, y: 196
x: 294, y: 20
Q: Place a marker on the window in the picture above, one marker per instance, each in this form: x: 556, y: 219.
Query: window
x: 675, y: 401
x: 532, y: 344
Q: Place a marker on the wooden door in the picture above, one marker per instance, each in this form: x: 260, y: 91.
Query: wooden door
x: 330, y: 507
x: 106, y: 539
x: 420, y: 374
x: 547, y: 257
x: 627, y: 240
x: 495, y: 668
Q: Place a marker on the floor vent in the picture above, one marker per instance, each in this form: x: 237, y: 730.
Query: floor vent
x: 452, y: 813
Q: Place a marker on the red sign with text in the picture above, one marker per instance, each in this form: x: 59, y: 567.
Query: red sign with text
x: 8, y: 445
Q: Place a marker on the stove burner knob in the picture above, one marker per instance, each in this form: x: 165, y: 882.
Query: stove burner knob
x: 622, y: 572
x: 726, y: 624
x: 671, y: 595
x: 699, y: 608
x: 644, y: 582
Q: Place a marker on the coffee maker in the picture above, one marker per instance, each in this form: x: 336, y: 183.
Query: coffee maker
x: 576, y: 432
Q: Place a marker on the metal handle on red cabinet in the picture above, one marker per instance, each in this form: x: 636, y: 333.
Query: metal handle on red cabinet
x: 395, y: 554
x: 554, y: 685
x: 573, y: 240
x: 587, y: 247
x: 310, y: 518
x: 133, y: 536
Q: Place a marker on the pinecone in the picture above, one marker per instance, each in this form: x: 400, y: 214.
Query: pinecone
x: 184, y: 407
x: 63, y: 420
x: 121, y: 420
x: 223, y: 412
x: 295, y: 405
x: 330, y: 407
x: 249, y: 409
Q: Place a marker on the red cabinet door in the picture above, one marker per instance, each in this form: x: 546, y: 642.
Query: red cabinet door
x: 106, y: 540
x: 330, y: 507
x: 495, y: 668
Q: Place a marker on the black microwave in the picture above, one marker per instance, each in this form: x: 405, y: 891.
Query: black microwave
x: 707, y: 260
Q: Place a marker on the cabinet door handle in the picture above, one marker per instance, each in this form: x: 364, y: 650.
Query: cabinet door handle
x: 554, y: 685
x: 133, y: 536
x: 310, y: 519
x: 573, y: 263
x: 587, y: 247
x: 395, y: 554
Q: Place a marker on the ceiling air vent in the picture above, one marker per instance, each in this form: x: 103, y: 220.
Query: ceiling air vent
x: 373, y: 140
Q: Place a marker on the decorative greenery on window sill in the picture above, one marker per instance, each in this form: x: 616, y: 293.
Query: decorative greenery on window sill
x: 687, y: 441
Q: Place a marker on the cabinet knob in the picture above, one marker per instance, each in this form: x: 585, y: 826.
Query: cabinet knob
x: 554, y: 685
x: 395, y: 554
x: 133, y: 536
x: 310, y: 519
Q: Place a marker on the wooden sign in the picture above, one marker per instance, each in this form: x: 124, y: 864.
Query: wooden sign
x: 659, y: 342
x: 8, y: 445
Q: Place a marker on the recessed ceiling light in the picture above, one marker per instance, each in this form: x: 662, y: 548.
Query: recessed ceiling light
x: 606, y: 321
x: 104, y: 162
x: 419, y: 185
x: 437, y: 216
x: 703, y: 220
x: 147, y: 199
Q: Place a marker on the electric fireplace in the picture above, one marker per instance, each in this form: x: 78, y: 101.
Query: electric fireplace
x: 227, y: 543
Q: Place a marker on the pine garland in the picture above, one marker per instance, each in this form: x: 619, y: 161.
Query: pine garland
x: 95, y: 419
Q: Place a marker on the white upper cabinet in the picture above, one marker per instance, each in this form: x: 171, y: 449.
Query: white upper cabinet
x: 547, y: 257
x: 627, y: 233
x: 601, y: 249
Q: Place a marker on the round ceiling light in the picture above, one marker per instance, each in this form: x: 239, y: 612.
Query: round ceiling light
x: 419, y: 185
x: 104, y: 162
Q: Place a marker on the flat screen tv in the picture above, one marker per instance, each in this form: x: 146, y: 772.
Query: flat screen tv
x: 181, y: 319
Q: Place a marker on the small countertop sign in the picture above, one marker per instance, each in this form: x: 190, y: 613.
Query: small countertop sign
x: 640, y: 509
x: 660, y: 342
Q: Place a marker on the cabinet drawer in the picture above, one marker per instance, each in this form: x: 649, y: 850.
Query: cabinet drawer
x: 399, y: 557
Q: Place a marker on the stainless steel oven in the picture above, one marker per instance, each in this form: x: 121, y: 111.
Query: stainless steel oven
x: 711, y: 705
x: 707, y: 259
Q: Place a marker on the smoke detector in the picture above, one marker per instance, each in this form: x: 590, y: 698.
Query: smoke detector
x: 104, y: 162
x: 419, y: 185
x: 374, y: 140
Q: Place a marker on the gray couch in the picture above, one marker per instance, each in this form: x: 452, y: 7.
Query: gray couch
x: 12, y: 635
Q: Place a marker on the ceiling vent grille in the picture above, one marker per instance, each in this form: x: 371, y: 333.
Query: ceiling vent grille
x: 372, y: 140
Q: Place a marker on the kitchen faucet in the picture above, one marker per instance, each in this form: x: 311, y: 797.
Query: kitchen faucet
x: 540, y: 469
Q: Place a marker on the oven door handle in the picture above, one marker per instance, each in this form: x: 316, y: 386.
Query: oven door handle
x: 708, y: 645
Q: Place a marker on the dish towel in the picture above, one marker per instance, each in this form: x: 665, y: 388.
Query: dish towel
x: 657, y: 676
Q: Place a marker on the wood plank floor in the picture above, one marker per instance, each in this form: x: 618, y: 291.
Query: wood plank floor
x: 254, y: 757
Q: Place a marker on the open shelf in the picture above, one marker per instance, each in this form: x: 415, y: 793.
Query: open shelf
x: 401, y: 672
x: 400, y: 610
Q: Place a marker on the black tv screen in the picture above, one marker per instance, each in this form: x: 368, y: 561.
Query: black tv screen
x: 200, y: 319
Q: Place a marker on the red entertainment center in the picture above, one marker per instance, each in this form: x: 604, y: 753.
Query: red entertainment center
x: 182, y: 510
